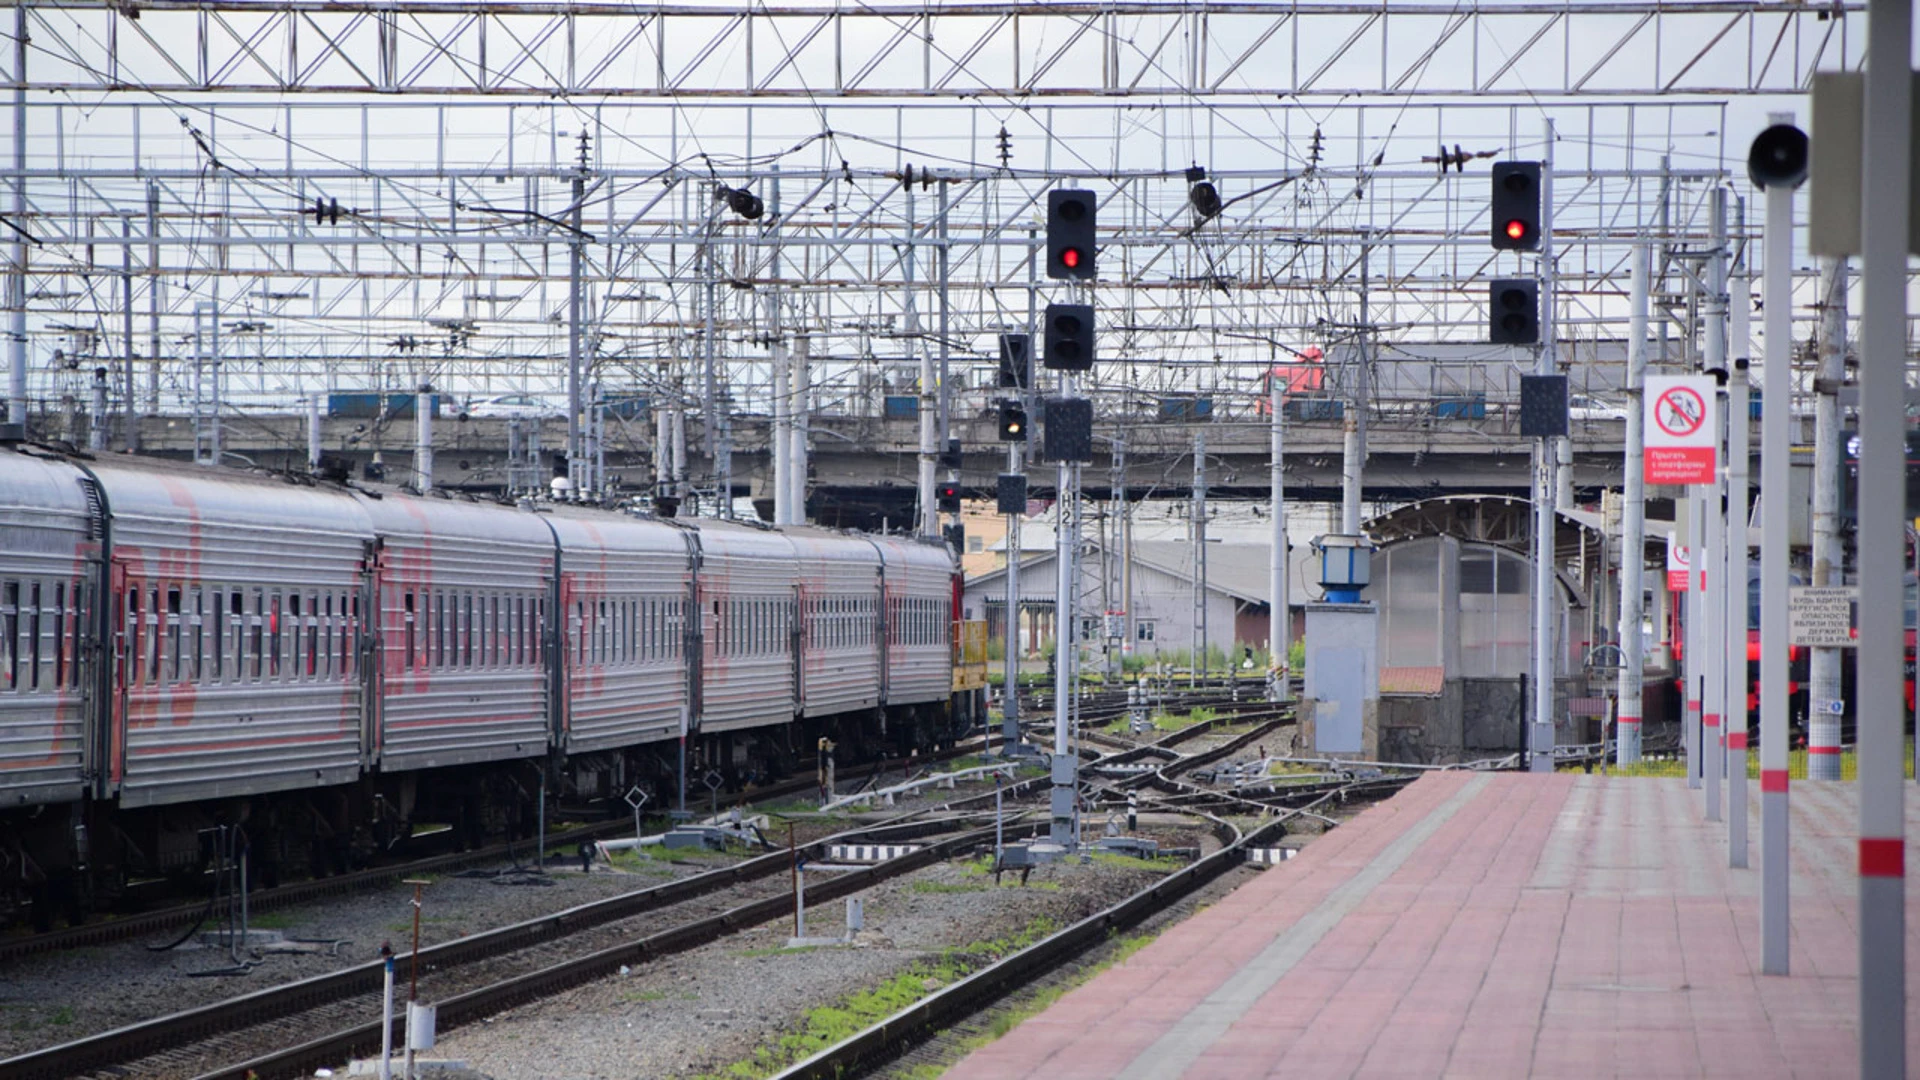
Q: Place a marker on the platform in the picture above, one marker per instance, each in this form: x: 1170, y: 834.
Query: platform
x: 1491, y: 925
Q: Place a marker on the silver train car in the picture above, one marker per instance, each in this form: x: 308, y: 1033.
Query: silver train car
x: 330, y: 666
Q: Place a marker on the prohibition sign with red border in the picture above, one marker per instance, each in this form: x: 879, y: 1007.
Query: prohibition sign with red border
x: 1679, y: 429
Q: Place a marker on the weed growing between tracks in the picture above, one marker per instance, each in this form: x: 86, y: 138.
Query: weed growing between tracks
x: 828, y: 1024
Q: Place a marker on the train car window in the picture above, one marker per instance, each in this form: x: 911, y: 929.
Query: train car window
x: 407, y: 619
x: 237, y: 607
x: 197, y: 635
x: 133, y: 653
x: 310, y: 631
x: 34, y: 618
x: 59, y: 634
x: 153, y: 631
x: 9, y: 635
x: 510, y: 612
x: 293, y: 635
x: 490, y: 635
x: 276, y: 637
x: 345, y: 651
x: 327, y: 671
x: 256, y: 636
x: 463, y: 631
x: 171, y: 655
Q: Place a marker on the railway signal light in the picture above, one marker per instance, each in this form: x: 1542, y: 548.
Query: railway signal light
x: 1010, y: 493
x: 1069, y: 435
x: 1513, y: 311
x: 951, y: 457
x: 1013, y: 422
x: 741, y: 201
x: 1069, y: 337
x: 947, y: 497
x: 1070, y: 214
x: 1516, y: 205
x: 1201, y: 193
x: 1016, y: 361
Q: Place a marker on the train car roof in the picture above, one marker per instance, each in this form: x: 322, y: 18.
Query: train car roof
x: 831, y: 545
x: 164, y: 490
x: 583, y: 527
x: 39, y: 484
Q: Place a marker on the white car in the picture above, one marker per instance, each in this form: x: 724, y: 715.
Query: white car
x: 1583, y: 407
x: 510, y: 405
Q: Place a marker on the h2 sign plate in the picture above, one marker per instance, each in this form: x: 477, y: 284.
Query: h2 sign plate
x: 1680, y: 428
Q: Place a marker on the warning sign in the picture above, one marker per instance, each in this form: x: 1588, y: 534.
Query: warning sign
x: 1679, y: 561
x: 1821, y: 615
x: 1679, y: 430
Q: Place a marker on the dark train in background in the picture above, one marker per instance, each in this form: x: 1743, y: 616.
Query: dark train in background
x: 328, y: 666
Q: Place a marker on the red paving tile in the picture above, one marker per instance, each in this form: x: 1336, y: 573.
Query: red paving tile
x: 1485, y: 927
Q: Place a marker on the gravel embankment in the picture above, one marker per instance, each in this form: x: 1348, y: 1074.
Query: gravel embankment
x: 57, y: 997
x: 699, y: 1012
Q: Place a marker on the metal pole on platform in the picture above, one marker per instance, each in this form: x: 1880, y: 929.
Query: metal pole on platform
x: 423, y: 439
x: 1883, y: 387
x: 1278, y: 614
x: 1777, y: 394
x: 782, y: 435
x: 1713, y: 581
x: 1065, y: 645
x: 1633, y: 524
x: 1540, y: 743
x: 17, y: 273
x: 801, y: 375
x: 1199, y: 534
x: 1695, y: 615
x: 1738, y: 437
x: 1824, y: 700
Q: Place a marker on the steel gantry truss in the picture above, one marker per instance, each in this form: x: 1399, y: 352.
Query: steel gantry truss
x: 377, y: 196
x: 1131, y: 48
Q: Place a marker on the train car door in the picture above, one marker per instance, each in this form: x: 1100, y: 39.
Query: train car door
x: 567, y: 629
x: 112, y: 741
x: 367, y: 646
x: 798, y: 606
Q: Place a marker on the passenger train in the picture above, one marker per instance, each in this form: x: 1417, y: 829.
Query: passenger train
x: 328, y: 666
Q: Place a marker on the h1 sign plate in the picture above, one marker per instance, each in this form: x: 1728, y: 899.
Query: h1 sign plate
x: 1680, y: 428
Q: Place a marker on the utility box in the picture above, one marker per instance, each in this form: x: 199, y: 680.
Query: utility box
x: 1341, y: 713
x: 420, y: 1022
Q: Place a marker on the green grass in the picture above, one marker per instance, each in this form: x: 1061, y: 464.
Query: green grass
x: 1129, y: 862
x: 828, y: 1024
x: 1006, y: 1020
x: 1163, y: 721
x: 1796, y: 766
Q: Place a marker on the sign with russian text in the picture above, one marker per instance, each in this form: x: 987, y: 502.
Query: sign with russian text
x: 1821, y: 616
x: 1679, y: 561
x: 1679, y: 430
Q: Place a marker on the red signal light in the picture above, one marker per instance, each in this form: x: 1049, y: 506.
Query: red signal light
x: 1070, y: 258
x: 1516, y: 229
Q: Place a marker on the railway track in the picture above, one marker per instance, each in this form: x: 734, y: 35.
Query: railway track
x: 292, y: 1029
x: 882, y: 1044
x: 173, y: 917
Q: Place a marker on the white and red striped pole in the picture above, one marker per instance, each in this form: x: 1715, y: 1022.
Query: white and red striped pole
x: 1777, y: 392
x: 1738, y: 438
x: 1888, y: 119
